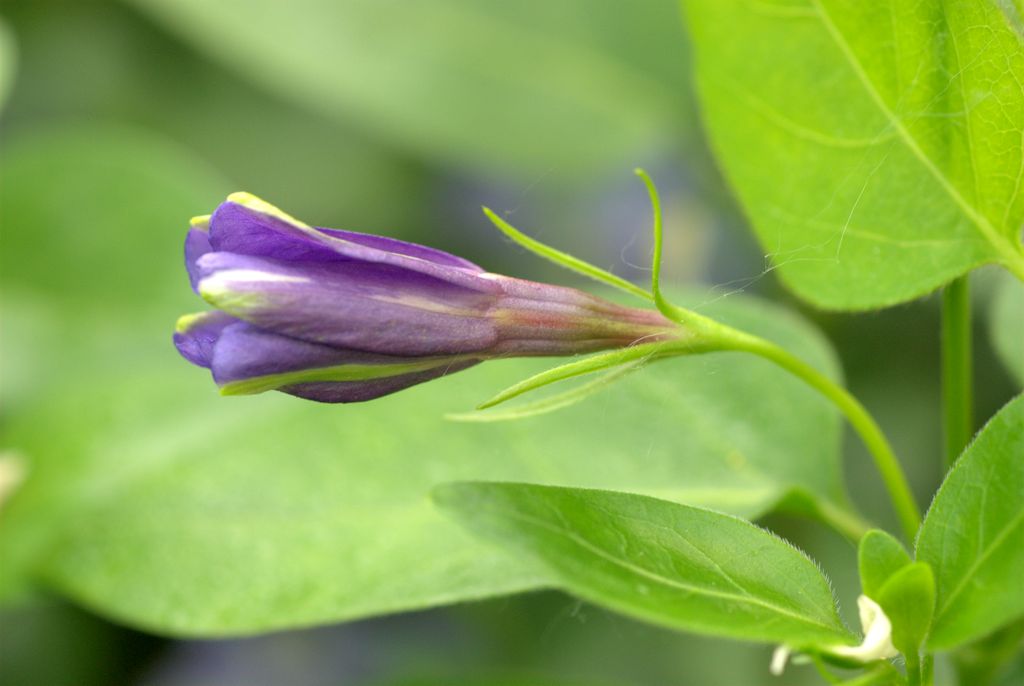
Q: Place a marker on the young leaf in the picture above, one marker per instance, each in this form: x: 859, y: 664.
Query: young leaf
x: 908, y: 599
x: 973, y: 534
x: 879, y: 556
x: 878, y: 154
x: 678, y: 566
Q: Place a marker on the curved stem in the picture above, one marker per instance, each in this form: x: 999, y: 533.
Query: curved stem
x: 714, y: 336
x: 861, y: 421
x: 956, y: 367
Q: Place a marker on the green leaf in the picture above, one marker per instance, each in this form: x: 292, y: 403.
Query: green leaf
x: 1006, y: 325
x: 167, y: 506
x: 496, y: 85
x: 678, y: 566
x: 973, y: 534
x: 875, y: 146
x: 879, y: 556
x: 76, y: 198
x: 908, y: 599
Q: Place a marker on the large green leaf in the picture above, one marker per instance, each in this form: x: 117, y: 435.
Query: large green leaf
x: 94, y: 215
x: 166, y: 506
x: 497, y: 85
x: 674, y: 565
x: 875, y: 146
x: 92, y: 221
x: 154, y: 500
x: 1006, y: 325
x: 973, y: 535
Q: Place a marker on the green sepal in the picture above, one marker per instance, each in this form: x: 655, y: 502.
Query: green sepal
x: 564, y: 259
x: 647, y: 352
x: 908, y: 599
x: 550, y: 404
x: 879, y: 556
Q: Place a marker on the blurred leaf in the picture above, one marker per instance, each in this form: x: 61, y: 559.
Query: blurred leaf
x: 494, y: 85
x: 94, y: 216
x: 973, y: 534
x: 879, y: 556
x: 1006, y: 325
x: 908, y: 599
x: 263, y: 143
x: 8, y: 61
x: 876, y: 147
x: 93, y: 221
x: 678, y: 566
x: 166, y: 506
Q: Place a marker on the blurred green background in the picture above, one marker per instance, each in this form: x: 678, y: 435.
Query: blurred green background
x: 120, y: 120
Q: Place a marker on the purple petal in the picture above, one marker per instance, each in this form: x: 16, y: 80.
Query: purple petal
x: 197, y: 334
x: 197, y: 244
x: 372, y: 307
x: 264, y: 231
x: 393, y: 245
x: 360, y: 391
x: 244, y: 352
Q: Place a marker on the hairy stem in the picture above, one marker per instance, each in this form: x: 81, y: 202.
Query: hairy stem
x: 715, y: 336
x: 862, y: 422
x: 957, y: 394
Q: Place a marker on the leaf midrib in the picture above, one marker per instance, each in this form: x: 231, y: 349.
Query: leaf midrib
x: 1011, y: 257
x: 671, y: 583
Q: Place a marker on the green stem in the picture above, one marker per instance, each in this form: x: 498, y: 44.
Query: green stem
x: 715, y: 336
x: 913, y: 670
x: 956, y: 367
x: 861, y: 421
x: 721, y: 337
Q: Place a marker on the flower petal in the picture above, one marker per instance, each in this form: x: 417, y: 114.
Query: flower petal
x: 196, y: 334
x: 247, y: 225
x: 356, y: 305
x: 249, y: 360
x: 197, y: 244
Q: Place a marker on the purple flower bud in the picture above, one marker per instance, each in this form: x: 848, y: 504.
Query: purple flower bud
x: 339, y: 316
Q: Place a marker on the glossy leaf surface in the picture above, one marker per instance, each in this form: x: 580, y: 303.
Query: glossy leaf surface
x: 973, y: 535
x: 875, y: 146
x: 670, y: 564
